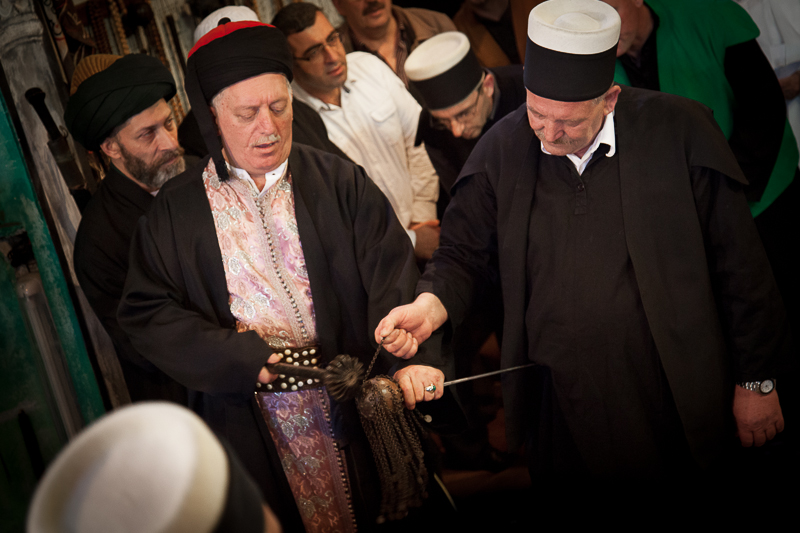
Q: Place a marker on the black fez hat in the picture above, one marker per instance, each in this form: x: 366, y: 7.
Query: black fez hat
x: 444, y: 70
x: 571, y: 50
x: 226, y: 55
x: 116, y: 90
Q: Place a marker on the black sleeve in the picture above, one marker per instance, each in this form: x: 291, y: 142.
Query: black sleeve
x: 750, y: 306
x: 466, y: 260
x: 169, y: 328
x: 759, y: 114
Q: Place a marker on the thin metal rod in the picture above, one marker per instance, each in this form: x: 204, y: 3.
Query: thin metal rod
x: 487, y: 374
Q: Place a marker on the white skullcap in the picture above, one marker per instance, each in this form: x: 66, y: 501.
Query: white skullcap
x: 444, y: 70
x: 150, y: 467
x: 571, y: 51
x: 234, y: 13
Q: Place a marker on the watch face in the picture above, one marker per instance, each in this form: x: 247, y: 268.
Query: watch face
x: 767, y: 386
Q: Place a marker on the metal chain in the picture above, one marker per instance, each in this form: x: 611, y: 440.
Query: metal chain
x: 374, y: 358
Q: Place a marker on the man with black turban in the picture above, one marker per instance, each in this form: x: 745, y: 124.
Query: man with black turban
x: 269, y: 251
x: 118, y: 107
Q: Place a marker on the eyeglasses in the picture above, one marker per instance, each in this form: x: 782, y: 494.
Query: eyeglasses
x: 463, y: 116
x: 315, y: 53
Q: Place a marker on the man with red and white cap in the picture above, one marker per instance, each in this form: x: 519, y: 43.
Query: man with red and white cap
x: 270, y: 250
x: 631, y: 271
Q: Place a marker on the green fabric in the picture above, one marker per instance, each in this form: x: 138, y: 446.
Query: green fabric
x: 692, y: 37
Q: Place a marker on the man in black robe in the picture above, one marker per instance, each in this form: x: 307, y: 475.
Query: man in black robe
x: 461, y: 101
x: 118, y: 107
x: 177, y: 306
x: 631, y: 271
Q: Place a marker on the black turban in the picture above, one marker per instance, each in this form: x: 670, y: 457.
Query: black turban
x: 107, y: 99
x: 226, y: 55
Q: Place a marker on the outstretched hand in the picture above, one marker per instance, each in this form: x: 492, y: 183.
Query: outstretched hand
x: 407, y: 326
x: 758, y: 417
x: 414, y: 380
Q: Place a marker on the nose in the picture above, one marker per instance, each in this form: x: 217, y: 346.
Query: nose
x: 457, y: 128
x: 168, y: 139
x: 329, y: 52
x: 266, y: 123
x: 552, y: 131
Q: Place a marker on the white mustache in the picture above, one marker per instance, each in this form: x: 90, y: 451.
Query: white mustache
x: 266, y: 139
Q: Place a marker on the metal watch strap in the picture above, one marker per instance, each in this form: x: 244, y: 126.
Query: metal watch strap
x: 756, y: 385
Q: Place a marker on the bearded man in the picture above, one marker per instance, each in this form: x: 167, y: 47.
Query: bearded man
x: 270, y: 249
x: 631, y: 272
x: 118, y: 108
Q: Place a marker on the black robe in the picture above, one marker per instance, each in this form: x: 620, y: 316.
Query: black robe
x: 176, y: 307
x: 101, y: 264
x: 705, y: 285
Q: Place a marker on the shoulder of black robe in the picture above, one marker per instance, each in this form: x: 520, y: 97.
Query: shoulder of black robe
x: 307, y: 128
x: 102, y: 245
x: 189, y: 136
x: 101, y: 252
x: 510, y: 81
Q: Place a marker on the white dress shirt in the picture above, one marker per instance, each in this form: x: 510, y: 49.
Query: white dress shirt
x: 376, y: 126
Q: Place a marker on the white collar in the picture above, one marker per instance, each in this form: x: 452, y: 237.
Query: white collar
x: 272, y: 177
x: 604, y: 136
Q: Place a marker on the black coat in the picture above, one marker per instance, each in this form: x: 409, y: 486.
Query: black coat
x: 705, y: 284
x: 101, y: 264
x: 176, y: 305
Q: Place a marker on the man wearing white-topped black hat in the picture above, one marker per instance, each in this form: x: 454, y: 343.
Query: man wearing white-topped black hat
x: 461, y: 101
x: 632, y: 273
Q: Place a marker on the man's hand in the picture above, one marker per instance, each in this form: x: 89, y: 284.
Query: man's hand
x: 427, y: 239
x: 264, y: 376
x: 414, y: 379
x: 758, y: 416
x: 790, y: 85
x: 407, y: 326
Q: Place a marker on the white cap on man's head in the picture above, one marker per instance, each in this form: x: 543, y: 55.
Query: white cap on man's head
x: 150, y: 467
x: 571, y: 50
x: 444, y: 70
x: 232, y: 13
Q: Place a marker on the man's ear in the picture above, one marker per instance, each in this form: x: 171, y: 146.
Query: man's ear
x: 611, y: 99
x: 110, y: 147
x: 488, y: 84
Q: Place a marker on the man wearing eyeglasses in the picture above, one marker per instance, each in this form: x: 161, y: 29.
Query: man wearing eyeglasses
x: 368, y: 114
x: 461, y: 99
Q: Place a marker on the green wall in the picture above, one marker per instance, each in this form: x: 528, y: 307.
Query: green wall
x: 22, y: 385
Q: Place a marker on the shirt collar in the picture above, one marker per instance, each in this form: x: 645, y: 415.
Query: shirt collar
x: 605, y: 136
x: 272, y: 177
x: 314, y: 102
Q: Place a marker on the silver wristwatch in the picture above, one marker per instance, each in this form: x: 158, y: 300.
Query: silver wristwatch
x: 762, y: 387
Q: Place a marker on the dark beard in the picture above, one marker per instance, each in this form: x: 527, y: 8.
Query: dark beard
x: 156, y: 174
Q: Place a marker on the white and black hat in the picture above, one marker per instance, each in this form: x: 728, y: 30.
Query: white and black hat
x: 444, y: 70
x: 151, y: 467
x: 571, y: 51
